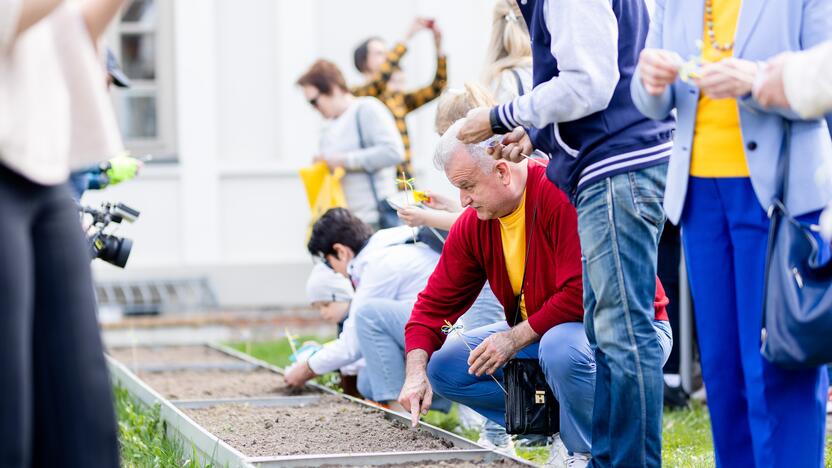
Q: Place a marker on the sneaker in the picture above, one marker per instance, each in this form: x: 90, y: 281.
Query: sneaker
x: 578, y: 460
x: 506, y: 448
x: 558, y: 454
x: 559, y: 457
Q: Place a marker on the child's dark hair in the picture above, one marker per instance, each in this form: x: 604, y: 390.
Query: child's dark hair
x: 338, y: 226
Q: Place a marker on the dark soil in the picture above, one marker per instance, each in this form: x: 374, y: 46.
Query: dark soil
x: 216, y: 383
x: 167, y: 355
x: 329, y: 426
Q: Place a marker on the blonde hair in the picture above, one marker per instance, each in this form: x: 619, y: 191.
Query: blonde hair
x: 509, y: 46
x: 454, y: 104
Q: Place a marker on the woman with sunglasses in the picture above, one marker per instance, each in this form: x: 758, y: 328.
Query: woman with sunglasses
x: 361, y: 136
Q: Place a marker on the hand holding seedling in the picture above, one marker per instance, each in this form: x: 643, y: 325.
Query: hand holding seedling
x: 728, y: 78
x: 658, y: 69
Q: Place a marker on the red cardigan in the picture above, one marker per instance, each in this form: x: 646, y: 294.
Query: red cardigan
x: 473, y: 253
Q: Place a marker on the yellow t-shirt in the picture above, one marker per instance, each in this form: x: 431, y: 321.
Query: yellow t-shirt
x: 513, y: 233
x: 717, y: 142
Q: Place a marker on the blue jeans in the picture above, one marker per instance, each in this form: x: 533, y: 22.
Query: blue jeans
x: 566, y: 358
x: 761, y: 415
x: 620, y: 221
x: 380, y: 328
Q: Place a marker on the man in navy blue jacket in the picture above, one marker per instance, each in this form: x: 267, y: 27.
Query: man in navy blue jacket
x: 611, y: 161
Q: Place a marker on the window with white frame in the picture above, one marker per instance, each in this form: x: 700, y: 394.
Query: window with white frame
x: 142, y: 43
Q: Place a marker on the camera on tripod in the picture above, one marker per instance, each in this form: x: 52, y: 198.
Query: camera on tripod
x: 105, y: 245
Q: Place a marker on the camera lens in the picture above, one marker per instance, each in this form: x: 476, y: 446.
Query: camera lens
x: 114, y: 250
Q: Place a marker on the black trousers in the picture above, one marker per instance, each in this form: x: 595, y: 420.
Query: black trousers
x: 56, y: 406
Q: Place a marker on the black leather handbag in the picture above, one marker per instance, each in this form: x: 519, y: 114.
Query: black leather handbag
x: 531, y: 407
x: 797, y: 309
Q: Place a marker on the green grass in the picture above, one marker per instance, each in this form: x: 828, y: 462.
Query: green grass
x: 141, y: 435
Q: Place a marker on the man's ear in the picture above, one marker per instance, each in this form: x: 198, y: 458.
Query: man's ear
x: 503, y: 171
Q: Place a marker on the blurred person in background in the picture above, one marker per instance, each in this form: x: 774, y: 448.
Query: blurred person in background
x: 508, y: 70
x: 360, y: 135
x: 55, y: 114
x: 386, y: 80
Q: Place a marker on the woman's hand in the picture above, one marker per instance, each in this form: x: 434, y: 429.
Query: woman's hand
x: 414, y: 216
x: 657, y: 70
x: 442, y: 203
x: 728, y: 78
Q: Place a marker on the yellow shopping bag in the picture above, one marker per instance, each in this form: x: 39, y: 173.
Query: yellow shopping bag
x: 323, y: 189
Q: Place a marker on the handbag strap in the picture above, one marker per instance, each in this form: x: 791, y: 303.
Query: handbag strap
x: 519, y: 81
x: 361, y: 145
x: 783, y: 163
x: 519, y: 298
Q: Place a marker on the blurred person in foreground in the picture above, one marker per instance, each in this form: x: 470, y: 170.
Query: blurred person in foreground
x: 56, y: 402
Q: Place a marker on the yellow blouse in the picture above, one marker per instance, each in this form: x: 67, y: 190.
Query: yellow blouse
x: 717, y: 141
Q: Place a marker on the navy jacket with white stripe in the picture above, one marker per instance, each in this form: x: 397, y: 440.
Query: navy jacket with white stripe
x: 615, y: 140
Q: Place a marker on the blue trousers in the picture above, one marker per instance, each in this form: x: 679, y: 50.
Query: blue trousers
x: 620, y: 221
x: 761, y: 415
x: 565, y: 357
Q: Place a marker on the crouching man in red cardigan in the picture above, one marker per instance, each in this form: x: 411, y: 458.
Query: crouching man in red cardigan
x: 520, y: 233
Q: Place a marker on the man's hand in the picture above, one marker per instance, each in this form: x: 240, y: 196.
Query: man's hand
x: 513, y: 146
x: 477, y: 126
x: 416, y: 395
x: 497, y: 349
x: 440, y: 202
x: 657, y: 69
x: 297, y: 375
x: 728, y: 78
x: 768, y: 89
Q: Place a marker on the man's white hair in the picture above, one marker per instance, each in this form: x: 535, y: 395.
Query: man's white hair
x: 449, y: 146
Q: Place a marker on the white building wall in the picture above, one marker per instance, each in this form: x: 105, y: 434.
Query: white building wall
x: 233, y: 208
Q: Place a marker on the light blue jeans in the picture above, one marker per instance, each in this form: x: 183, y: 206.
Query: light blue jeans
x: 380, y: 329
x: 565, y: 357
x: 620, y: 220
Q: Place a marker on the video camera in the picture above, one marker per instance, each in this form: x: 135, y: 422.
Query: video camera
x: 106, y: 246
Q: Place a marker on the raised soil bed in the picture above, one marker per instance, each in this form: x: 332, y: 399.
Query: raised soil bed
x: 217, y: 383
x: 328, y: 426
